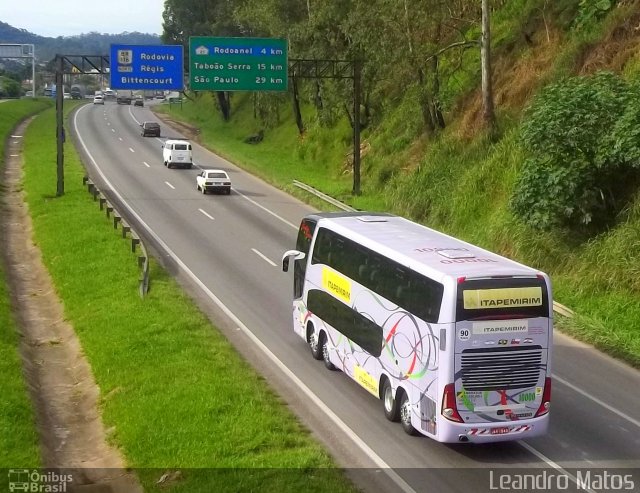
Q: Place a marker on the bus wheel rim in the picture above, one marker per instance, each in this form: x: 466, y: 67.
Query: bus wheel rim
x: 405, y: 412
x: 388, y: 398
x: 313, y: 342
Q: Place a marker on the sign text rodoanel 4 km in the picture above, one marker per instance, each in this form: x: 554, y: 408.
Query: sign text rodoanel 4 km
x: 237, y: 64
x: 147, y: 67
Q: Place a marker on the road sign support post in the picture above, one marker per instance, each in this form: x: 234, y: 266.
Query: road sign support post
x: 59, y: 126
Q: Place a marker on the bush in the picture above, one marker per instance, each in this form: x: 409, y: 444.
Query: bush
x: 9, y: 88
x: 581, y: 136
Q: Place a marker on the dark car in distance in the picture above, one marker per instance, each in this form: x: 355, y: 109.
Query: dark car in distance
x: 150, y: 129
x: 138, y: 101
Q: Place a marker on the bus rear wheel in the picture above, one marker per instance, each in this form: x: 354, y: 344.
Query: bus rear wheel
x: 325, y: 354
x: 391, y: 408
x: 405, y: 415
x: 314, y: 344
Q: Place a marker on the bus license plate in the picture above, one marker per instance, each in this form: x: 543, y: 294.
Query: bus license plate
x: 500, y: 431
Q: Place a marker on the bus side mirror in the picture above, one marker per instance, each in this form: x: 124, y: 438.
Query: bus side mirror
x: 297, y: 255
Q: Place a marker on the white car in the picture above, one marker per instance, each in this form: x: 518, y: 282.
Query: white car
x: 98, y: 99
x: 212, y: 180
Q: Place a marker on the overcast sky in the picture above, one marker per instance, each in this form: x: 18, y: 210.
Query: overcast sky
x: 71, y: 17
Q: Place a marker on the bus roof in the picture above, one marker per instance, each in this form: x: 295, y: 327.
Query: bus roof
x: 419, y: 247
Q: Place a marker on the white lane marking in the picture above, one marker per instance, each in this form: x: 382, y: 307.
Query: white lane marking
x: 131, y: 149
x: 16, y: 136
x: 266, y: 210
x: 120, y: 138
x: 14, y: 155
x: 16, y: 142
x: 170, y: 185
x: 113, y: 129
x: 146, y: 164
x: 263, y: 256
x: 597, y: 401
x: 134, y: 118
x: 206, y: 214
x: 556, y: 466
x: 108, y: 124
x: 402, y: 484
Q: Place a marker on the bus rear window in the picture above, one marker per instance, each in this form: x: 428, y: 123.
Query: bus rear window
x: 502, y: 298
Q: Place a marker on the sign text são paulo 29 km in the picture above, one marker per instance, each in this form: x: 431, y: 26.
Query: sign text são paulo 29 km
x: 237, y: 64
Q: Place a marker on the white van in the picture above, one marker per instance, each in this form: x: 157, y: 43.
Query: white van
x: 177, y: 153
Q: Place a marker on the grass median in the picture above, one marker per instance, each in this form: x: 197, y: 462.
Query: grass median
x: 18, y: 435
x: 175, y: 394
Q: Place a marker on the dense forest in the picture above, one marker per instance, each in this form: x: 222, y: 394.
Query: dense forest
x: 553, y: 181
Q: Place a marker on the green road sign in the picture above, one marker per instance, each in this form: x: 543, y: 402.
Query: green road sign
x: 237, y: 64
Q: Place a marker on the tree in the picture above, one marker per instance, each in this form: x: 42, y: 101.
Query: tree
x: 9, y: 88
x: 488, y: 113
x: 185, y: 18
x: 584, y: 161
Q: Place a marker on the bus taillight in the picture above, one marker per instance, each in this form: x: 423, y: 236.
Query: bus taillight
x: 449, y: 407
x: 546, y: 398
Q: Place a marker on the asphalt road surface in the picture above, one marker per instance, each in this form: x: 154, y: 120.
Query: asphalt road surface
x: 226, y: 252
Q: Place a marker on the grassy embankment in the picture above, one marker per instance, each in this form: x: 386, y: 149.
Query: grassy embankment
x: 460, y: 183
x: 175, y: 393
x: 18, y: 436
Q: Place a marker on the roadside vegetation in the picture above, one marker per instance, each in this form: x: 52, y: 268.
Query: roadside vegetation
x: 175, y: 394
x: 18, y: 436
x: 556, y: 186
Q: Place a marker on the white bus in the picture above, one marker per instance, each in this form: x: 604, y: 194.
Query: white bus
x: 455, y: 340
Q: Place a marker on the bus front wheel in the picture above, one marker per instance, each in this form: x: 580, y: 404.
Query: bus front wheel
x: 391, y: 408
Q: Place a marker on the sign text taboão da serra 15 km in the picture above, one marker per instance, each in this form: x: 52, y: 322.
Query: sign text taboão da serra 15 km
x: 237, y: 64
x: 149, y: 67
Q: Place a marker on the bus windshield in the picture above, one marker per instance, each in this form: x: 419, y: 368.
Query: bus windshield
x: 502, y: 298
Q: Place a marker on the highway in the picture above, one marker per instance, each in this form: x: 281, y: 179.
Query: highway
x: 226, y: 250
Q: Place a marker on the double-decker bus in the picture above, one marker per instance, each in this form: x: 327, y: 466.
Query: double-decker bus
x: 455, y: 340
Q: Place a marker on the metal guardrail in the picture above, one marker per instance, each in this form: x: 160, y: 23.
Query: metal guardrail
x: 323, y: 196
x: 563, y: 310
x: 143, y: 259
x: 557, y: 307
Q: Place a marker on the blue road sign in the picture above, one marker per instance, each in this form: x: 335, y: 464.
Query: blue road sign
x: 149, y: 67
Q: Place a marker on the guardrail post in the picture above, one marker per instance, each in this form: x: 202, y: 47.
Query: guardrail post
x: 143, y: 259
